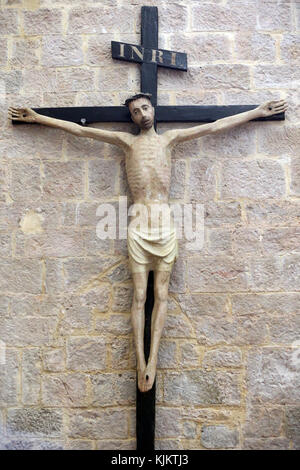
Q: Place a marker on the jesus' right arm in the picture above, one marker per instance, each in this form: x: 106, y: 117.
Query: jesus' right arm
x: 121, y: 139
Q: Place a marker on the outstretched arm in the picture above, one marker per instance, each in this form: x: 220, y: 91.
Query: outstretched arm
x: 266, y: 109
x: 121, y: 139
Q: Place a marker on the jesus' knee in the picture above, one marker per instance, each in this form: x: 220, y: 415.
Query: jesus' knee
x: 161, y: 293
x: 139, y: 297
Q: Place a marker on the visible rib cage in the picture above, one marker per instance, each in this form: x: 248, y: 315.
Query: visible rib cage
x: 148, y: 169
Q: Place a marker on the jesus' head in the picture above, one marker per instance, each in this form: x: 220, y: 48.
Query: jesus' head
x: 141, y: 110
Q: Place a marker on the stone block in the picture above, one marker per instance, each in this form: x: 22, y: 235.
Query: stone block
x: 167, y: 355
x: 178, y: 172
x: 223, y: 358
x: 113, y: 389
x: 278, y: 140
x: 265, y: 273
x: 21, y: 275
x: 272, y: 377
x: 277, y: 76
x: 86, y: 353
x: 5, y: 245
x: 217, y: 76
x: 251, y: 330
x: 32, y: 444
x: 25, y: 53
x: 77, y: 79
x: 212, y: 331
x: 8, y: 21
x: 116, y: 324
x: 80, y: 444
x: 177, y: 278
x: 202, y: 48
x: 42, y: 21
x: 83, y: 273
x: 28, y: 331
x: 40, y: 81
x: 255, y: 46
x: 290, y: 272
x: 11, y: 81
x: 31, y: 376
x: 54, y: 280
x: 99, y: 50
x: 190, y: 356
x: 34, y: 422
x: 220, y: 241
x: 217, y: 273
x: 61, y: 243
x: 202, y: 387
x: 262, y: 422
x: 79, y: 309
x: 172, y: 18
x: 102, y: 178
x: 59, y: 51
x: 268, y: 305
x: 289, y: 48
x: 238, y: 142
x: 25, y: 181
x: 272, y: 214
x: 202, y: 184
x: 281, y: 240
x: 293, y: 424
x: 168, y: 444
x: 116, y: 445
x: 77, y: 147
x: 177, y: 326
x: 229, y: 17
x: 54, y: 360
x: 63, y: 180
x: 58, y: 99
x: 219, y: 437
x: 64, y: 390
x: 279, y: 443
x: 100, y: 20
x: 121, y: 353
x: 98, y: 424
x: 197, y: 305
x: 115, y: 76
x: 9, y: 378
x: 284, y: 330
x: 255, y: 179
x: 274, y: 16
x: 168, y: 422
x: 122, y: 298
x: 295, y: 173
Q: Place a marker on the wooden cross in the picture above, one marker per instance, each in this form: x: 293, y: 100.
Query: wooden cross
x: 150, y: 57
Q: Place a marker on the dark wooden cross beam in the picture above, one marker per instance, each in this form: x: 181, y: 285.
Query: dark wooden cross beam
x: 150, y: 57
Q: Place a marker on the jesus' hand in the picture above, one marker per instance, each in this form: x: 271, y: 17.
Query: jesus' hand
x: 22, y: 114
x: 272, y: 107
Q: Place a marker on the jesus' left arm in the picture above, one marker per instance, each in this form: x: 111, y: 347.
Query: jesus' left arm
x: 269, y: 108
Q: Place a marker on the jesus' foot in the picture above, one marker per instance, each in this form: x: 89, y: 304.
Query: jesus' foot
x: 150, y: 374
x: 141, y: 378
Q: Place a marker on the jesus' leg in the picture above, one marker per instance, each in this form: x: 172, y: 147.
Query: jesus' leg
x: 161, y: 286
x: 138, y: 323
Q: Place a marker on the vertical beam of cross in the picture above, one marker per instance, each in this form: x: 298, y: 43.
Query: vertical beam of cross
x: 145, y: 406
x: 149, y: 40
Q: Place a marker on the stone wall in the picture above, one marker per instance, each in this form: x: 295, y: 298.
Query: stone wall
x: 229, y: 367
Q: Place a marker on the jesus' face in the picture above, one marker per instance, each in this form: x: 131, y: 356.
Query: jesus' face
x: 142, y: 113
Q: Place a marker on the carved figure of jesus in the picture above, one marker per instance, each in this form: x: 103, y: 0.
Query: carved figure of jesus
x: 148, y: 167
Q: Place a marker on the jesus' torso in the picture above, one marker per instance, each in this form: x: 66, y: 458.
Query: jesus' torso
x: 148, y: 168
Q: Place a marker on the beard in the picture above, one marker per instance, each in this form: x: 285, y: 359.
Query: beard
x: 147, y: 124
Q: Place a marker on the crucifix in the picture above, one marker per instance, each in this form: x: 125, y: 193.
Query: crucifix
x: 152, y: 244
